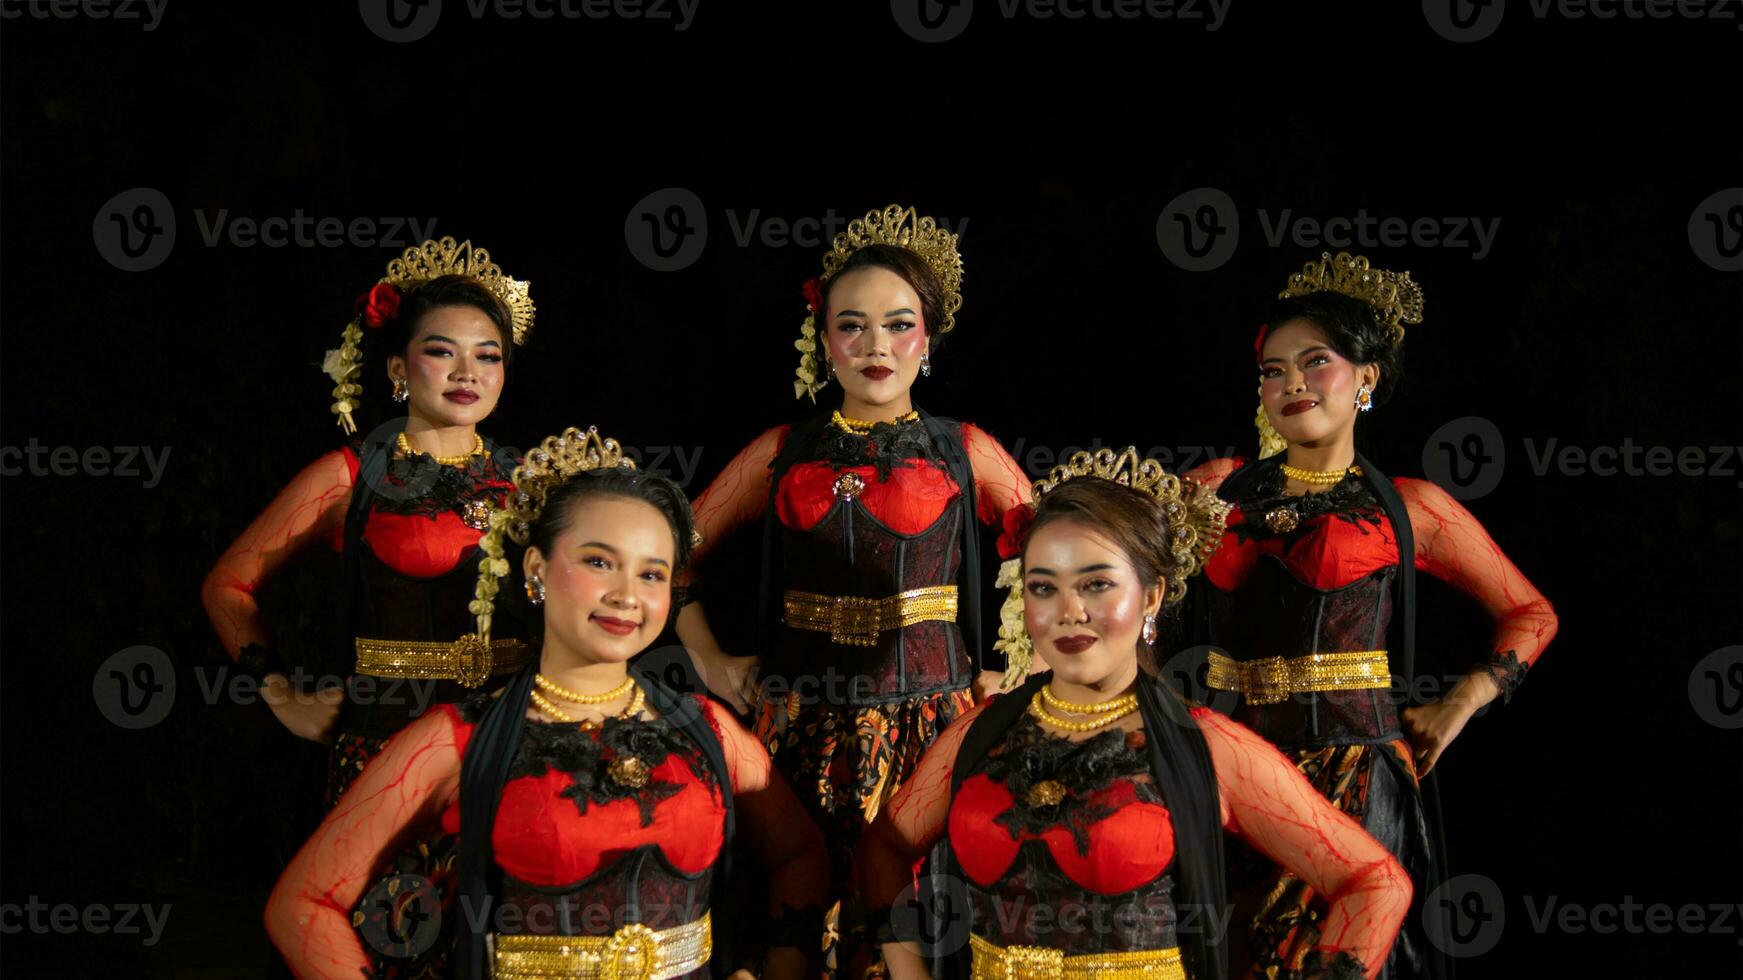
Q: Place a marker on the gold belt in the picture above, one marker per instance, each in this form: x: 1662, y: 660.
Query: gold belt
x: 1041, y: 963
x: 469, y: 663
x: 633, y: 952
x: 857, y: 621
x: 1273, y: 679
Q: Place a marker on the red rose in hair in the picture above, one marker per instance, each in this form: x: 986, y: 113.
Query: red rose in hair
x: 1017, y: 521
x: 1259, y: 342
x: 814, y: 295
x: 379, y: 305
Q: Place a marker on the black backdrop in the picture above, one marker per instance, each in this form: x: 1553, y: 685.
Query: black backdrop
x: 1592, y: 320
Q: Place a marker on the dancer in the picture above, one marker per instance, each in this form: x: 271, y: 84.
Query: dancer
x: 1084, y: 812
x: 595, y: 806
x: 406, y: 508
x: 868, y: 606
x: 1312, y: 601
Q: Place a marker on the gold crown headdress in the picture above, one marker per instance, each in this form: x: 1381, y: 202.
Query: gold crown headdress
x: 1196, y: 518
x: 1395, y: 298
x: 414, y: 268
x: 894, y: 225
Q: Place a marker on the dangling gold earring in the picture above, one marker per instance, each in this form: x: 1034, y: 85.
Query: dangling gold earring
x: 1365, y: 399
x: 401, y: 390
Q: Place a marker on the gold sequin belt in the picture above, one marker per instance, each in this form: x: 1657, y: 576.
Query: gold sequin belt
x: 1041, y: 963
x: 471, y: 663
x: 633, y: 952
x: 1273, y: 679
x: 857, y: 621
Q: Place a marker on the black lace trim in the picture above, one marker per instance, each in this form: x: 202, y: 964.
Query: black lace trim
x: 1029, y: 756
x: 1352, y: 500
x: 418, y: 486
x: 1508, y: 672
x: 588, y: 757
x: 888, y: 445
x: 1339, y: 966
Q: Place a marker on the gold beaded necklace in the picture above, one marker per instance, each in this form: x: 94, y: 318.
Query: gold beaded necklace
x: 860, y: 427
x: 544, y: 704
x: 1318, y: 478
x: 1109, y: 711
x: 1055, y: 703
x: 405, y: 447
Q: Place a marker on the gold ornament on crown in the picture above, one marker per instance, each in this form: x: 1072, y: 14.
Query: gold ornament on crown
x: 894, y: 225
x: 1196, y: 518
x: 552, y: 463
x: 1394, y: 297
x: 415, y: 267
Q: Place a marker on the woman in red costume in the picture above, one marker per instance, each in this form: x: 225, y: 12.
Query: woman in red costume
x: 1312, y: 601
x: 868, y: 613
x: 405, y: 508
x: 1083, y: 813
x: 595, y: 807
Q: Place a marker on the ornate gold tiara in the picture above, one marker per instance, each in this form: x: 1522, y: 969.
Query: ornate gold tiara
x: 1196, y: 515
x: 1396, y: 300
x: 896, y: 225
x: 547, y: 466
x: 445, y: 257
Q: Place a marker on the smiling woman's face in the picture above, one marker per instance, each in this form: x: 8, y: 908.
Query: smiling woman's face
x: 608, y: 579
x: 1308, y: 389
x: 1083, y: 603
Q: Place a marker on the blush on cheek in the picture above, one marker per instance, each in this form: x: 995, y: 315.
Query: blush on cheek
x: 840, y: 344
x: 909, y: 344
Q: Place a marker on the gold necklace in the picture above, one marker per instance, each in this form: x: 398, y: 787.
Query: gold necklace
x: 544, y: 704
x: 573, y: 697
x: 1112, y: 704
x: 1108, y: 717
x: 405, y: 447
x: 1318, y: 478
x: 860, y: 427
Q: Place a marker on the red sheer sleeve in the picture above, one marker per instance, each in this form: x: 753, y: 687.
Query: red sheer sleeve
x: 1213, y: 472
x: 312, y: 507
x: 1452, y: 546
x: 999, y: 483
x: 739, y: 494
x: 400, y: 794
x: 913, y: 820
x: 788, y: 845
x: 1272, y: 806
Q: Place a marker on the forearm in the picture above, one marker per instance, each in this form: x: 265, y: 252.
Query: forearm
x: 313, y: 932
x: 1365, y: 914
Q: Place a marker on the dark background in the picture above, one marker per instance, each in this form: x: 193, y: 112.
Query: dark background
x: 1591, y: 321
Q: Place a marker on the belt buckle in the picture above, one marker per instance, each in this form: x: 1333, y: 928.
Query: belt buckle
x: 632, y: 953
x: 1034, y: 963
x: 472, y: 656
x: 1268, y: 681
x: 854, y: 620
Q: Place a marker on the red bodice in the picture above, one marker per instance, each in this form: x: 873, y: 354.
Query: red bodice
x: 1129, y: 848
x: 545, y: 838
x: 910, y: 501
x: 417, y: 545
x: 1329, y: 552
